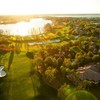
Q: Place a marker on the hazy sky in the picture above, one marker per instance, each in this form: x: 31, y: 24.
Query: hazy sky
x: 49, y: 6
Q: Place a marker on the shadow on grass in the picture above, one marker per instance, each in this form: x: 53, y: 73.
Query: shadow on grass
x: 45, y: 93
x: 10, y: 59
x: 3, y: 88
x: 42, y: 90
x: 40, y: 97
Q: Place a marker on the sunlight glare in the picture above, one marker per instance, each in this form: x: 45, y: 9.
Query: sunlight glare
x: 23, y: 28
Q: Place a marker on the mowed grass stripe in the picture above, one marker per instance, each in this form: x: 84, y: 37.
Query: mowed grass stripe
x: 22, y: 81
x: 21, y: 87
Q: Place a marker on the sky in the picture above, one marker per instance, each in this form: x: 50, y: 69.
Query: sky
x: 23, y: 7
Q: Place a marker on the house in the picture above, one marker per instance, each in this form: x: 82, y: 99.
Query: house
x: 90, y: 72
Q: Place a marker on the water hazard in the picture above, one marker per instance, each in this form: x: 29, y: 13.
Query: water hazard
x: 33, y: 27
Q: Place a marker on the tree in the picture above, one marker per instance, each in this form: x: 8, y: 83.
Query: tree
x: 30, y: 55
x: 65, y: 90
x: 60, y: 61
x: 55, y: 63
x: 96, y: 58
x: 38, y: 61
x: 67, y: 63
x: 48, y: 28
x: 48, y: 61
x: 90, y: 54
x: 51, y: 73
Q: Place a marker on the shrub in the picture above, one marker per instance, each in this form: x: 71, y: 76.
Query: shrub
x: 96, y: 58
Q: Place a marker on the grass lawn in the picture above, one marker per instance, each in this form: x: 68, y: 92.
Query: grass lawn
x: 19, y: 84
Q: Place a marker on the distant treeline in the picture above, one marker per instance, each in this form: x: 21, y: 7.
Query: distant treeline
x: 6, y: 19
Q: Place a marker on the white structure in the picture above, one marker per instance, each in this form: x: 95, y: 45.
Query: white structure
x: 2, y: 73
x: 1, y: 68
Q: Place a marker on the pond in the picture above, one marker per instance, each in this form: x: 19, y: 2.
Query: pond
x: 33, y: 27
x: 45, y: 42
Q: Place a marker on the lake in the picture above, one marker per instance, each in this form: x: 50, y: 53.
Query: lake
x: 76, y: 15
x: 33, y: 27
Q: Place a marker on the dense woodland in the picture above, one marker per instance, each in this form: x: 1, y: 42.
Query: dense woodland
x: 79, y: 46
x: 76, y: 43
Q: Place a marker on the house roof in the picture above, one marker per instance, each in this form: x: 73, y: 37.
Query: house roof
x: 90, y: 72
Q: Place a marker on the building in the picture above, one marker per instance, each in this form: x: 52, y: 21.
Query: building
x: 90, y: 72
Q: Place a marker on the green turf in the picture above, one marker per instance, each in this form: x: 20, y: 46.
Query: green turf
x: 20, y: 83
x: 81, y: 95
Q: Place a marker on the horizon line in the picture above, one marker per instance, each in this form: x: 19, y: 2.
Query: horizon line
x: 50, y: 14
